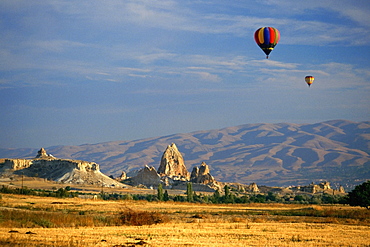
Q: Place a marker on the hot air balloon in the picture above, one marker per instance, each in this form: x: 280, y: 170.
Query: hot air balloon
x: 267, y: 38
x: 309, y: 80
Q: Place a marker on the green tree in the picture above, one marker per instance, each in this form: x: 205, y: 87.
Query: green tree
x: 228, y: 198
x: 227, y: 191
x: 271, y: 197
x: 299, y: 198
x: 216, y: 197
x: 160, y: 193
x: 62, y: 193
x: 189, y: 192
x: 360, y: 195
x: 166, y: 197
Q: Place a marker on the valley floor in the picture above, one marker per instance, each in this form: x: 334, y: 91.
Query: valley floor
x: 193, y: 234
x: 185, y: 224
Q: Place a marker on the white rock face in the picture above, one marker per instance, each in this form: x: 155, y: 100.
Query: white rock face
x: 15, y: 164
x: 61, y: 170
x: 172, y: 164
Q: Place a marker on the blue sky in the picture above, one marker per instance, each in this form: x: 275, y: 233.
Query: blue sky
x: 88, y: 71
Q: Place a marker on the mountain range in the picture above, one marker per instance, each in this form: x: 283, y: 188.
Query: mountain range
x: 281, y: 154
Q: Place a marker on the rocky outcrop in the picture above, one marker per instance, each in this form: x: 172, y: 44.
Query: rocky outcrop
x: 172, y: 164
x: 172, y: 174
x: 147, y: 176
x: 201, y: 175
x: 11, y: 165
x: 60, y: 170
x: 325, y: 185
x: 341, y: 189
x: 252, y: 188
x: 42, y: 154
x: 123, y: 176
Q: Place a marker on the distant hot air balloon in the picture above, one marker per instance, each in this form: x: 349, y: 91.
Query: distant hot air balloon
x: 309, y: 80
x: 267, y: 38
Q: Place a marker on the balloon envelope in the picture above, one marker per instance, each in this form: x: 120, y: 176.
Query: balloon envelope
x: 309, y: 80
x: 267, y: 38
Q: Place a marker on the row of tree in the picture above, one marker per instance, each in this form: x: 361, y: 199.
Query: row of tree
x: 360, y: 196
x: 61, y: 192
x: 226, y: 196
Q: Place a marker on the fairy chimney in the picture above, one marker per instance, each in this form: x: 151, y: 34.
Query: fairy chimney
x: 42, y: 154
x: 201, y: 175
x: 172, y: 164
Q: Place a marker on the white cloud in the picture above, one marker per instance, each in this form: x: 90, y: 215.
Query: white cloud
x: 55, y: 45
x: 150, y: 58
x: 273, y: 63
x: 184, y: 16
x: 357, y: 11
x: 206, y: 76
x: 134, y: 69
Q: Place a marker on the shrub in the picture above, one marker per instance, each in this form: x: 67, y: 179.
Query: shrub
x: 43, y: 222
x: 139, y: 218
x: 360, y: 196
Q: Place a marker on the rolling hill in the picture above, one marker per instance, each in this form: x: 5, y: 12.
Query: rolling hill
x: 268, y: 154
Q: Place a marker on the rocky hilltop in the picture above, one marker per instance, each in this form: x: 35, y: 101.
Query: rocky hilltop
x: 61, y: 170
x: 283, y: 154
x: 172, y: 174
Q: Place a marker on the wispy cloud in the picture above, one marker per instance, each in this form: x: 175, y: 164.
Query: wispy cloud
x: 206, y: 76
x: 181, y: 16
x: 357, y: 11
x: 57, y: 46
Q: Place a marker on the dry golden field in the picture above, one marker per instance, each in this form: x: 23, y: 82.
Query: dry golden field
x: 41, y: 221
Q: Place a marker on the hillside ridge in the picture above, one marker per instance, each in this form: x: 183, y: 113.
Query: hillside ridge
x: 279, y: 154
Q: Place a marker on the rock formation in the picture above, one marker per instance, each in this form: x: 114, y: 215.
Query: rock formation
x: 201, y: 175
x: 60, y: 170
x: 10, y: 165
x: 172, y: 173
x: 325, y: 185
x: 252, y: 188
x: 147, y: 176
x: 341, y: 189
x: 42, y: 154
x: 172, y: 164
x: 123, y: 176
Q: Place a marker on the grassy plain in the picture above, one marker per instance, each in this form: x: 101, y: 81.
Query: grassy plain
x: 41, y: 221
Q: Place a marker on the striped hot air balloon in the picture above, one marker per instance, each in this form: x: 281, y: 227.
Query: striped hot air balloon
x: 309, y: 80
x: 267, y: 38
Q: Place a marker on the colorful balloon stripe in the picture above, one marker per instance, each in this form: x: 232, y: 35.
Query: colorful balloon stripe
x: 267, y: 38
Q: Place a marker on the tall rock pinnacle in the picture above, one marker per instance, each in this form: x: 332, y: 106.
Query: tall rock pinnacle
x: 42, y: 154
x: 172, y: 163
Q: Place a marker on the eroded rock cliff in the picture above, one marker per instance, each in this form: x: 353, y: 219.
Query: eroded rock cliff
x: 60, y: 170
